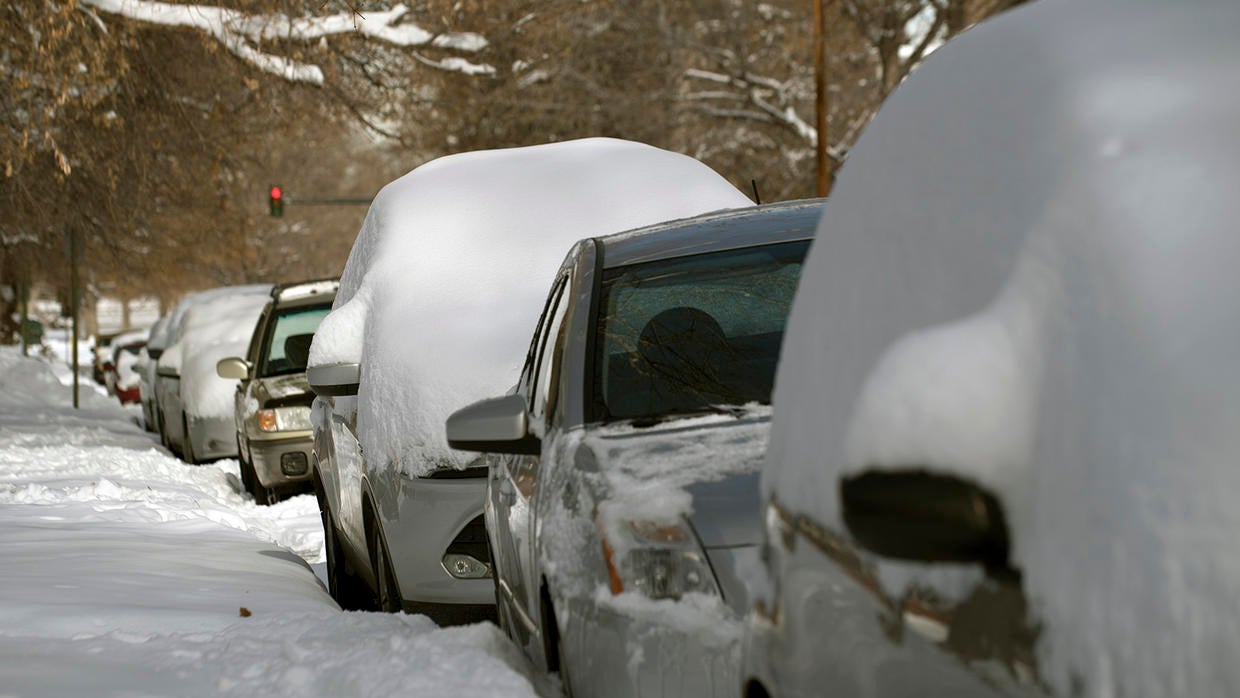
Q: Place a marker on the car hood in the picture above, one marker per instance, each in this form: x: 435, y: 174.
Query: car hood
x: 283, y: 391
x: 703, y: 469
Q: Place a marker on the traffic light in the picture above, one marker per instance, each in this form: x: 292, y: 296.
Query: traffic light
x: 277, y: 201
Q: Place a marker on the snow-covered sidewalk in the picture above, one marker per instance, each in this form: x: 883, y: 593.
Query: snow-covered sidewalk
x: 124, y: 571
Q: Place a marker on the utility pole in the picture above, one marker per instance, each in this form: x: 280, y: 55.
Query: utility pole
x: 74, y: 291
x: 823, y: 171
x: 23, y: 297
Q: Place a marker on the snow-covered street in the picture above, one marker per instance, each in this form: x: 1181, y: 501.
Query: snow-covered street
x: 124, y: 571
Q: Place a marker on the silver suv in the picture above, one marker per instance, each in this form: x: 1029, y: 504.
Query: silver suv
x: 272, y: 405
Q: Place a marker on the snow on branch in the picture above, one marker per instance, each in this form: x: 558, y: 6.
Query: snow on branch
x: 771, y: 101
x: 240, y: 32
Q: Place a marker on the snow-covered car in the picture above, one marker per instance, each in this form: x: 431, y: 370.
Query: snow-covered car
x: 271, y: 409
x: 147, y: 368
x: 625, y: 508
x: 1003, y: 454
x: 436, y: 302
x: 195, y: 404
x: 119, y: 375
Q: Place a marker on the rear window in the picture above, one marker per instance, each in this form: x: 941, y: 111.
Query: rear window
x: 687, y: 334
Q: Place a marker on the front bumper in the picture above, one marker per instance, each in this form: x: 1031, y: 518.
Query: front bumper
x: 659, y: 648
x: 433, y: 513
x: 213, y: 437
x: 282, y: 458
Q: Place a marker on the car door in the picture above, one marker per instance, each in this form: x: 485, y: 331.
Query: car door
x: 515, y: 476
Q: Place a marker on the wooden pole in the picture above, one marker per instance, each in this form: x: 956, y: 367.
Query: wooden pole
x: 23, y: 293
x: 823, y: 170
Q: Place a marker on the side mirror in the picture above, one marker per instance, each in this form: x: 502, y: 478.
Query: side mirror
x: 154, y: 352
x: 498, y: 425
x: 233, y: 367
x: 334, y: 380
x: 918, y: 515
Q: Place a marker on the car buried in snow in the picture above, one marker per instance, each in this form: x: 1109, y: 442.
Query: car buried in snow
x: 1003, y: 454
x: 146, y: 368
x: 623, y: 507
x: 271, y: 409
x: 442, y: 286
x: 195, y: 404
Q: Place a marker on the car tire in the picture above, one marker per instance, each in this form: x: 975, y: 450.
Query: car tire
x: 387, y: 595
x: 347, y: 590
x: 245, y: 469
x: 163, y: 432
x: 187, y: 449
x: 553, y: 648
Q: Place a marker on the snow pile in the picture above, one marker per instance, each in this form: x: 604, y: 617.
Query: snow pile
x: 216, y: 329
x: 127, y: 572
x: 450, y: 271
x: 1034, y: 292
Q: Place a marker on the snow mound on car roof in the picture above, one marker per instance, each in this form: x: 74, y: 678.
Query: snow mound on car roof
x: 216, y: 329
x: 450, y: 271
x: 1026, y: 278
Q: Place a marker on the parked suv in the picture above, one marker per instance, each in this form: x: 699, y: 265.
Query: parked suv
x: 272, y: 404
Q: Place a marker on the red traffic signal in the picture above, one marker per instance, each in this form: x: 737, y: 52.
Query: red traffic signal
x: 277, y: 201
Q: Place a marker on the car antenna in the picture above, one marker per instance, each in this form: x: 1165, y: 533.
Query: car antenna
x: 756, y: 196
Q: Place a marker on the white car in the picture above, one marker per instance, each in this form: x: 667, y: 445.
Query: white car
x: 436, y: 304
x: 1004, y: 451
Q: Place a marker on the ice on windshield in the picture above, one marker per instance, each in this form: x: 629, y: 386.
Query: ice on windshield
x: 684, y: 334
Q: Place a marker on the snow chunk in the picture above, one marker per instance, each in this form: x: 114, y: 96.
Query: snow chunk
x: 452, y: 265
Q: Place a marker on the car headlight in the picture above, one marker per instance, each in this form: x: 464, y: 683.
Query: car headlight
x: 284, y: 419
x: 656, y: 559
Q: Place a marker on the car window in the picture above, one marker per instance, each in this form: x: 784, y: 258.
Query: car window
x: 288, y: 345
x: 542, y: 401
x: 686, y: 334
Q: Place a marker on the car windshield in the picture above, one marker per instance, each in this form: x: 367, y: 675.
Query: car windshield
x: 288, y: 345
x: 691, y: 334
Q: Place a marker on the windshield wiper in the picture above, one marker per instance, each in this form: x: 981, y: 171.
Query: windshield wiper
x: 656, y: 419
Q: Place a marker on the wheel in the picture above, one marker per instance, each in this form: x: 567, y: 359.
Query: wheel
x: 388, y: 597
x: 163, y: 432
x: 247, y: 470
x: 187, y: 449
x: 553, y: 649
x: 348, y: 591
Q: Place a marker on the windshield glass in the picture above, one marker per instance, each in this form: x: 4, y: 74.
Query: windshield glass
x: 690, y: 334
x: 288, y: 345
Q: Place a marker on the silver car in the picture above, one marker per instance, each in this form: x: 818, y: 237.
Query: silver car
x: 624, y: 510
x: 205, y: 327
x: 271, y: 408
x: 1003, y: 455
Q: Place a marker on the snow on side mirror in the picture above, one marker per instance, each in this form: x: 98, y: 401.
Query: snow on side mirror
x: 233, y: 367
x: 334, y: 380
x: 918, y: 515
x: 497, y: 425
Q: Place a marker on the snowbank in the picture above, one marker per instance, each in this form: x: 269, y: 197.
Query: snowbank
x: 126, y: 572
x: 449, y: 273
x: 1033, y: 291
